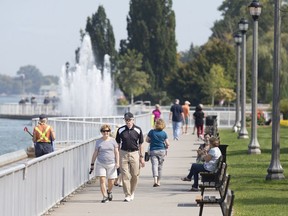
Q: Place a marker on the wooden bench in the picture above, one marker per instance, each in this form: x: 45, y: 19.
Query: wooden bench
x: 213, y: 182
x: 212, y: 176
x: 202, y: 200
x: 227, y: 206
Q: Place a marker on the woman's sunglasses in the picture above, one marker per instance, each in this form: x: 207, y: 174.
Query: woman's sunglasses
x: 105, y: 131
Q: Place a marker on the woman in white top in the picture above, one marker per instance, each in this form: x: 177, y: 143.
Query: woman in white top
x: 211, y: 158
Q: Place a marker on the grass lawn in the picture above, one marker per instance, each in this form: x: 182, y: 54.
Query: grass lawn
x: 254, y: 195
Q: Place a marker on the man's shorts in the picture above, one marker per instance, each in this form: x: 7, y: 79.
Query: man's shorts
x: 186, y: 121
x: 107, y: 170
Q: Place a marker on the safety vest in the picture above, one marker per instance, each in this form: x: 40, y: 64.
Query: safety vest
x: 43, y: 135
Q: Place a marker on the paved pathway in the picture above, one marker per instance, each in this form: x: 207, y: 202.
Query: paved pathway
x: 172, y: 198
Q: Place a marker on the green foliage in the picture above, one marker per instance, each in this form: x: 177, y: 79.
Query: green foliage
x: 9, y: 85
x: 284, y: 108
x: 28, y: 80
x: 255, y: 196
x: 193, y: 80
x: 151, y: 31
x: 232, y: 12
x: 102, y: 37
x: 131, y: 80
x: 215, y: 81
x: 122, y: 101
x: 187, y: 56
x: 33, y: 78
x: 181, y: 84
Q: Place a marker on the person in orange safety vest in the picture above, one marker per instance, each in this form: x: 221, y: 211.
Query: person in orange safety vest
x: 43, y: 136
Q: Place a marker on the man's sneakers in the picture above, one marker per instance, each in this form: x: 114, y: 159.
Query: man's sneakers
x: 129, y: 198
x: 110, y: 196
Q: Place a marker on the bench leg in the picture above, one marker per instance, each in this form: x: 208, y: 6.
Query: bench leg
x: 202, y: 191
x: 201, y: 209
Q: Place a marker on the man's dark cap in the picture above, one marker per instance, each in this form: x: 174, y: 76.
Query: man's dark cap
x: 42, y: 116
x: 128, y: 115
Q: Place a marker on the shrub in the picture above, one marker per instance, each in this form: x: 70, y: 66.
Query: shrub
x: 284, y: 108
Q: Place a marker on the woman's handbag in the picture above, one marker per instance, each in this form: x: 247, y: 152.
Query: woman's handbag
x: 146, y: 156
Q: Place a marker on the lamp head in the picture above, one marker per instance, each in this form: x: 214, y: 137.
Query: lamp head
x: 238, y: 38
x: 255, y: 9
x: 243, y: 25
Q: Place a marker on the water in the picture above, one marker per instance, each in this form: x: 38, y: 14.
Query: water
x: 85, y: 91
x: 9, y: 99
x: 12, y: 135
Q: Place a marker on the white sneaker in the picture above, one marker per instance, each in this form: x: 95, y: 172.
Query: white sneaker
x: 127, y: 199
x: 132, y: 196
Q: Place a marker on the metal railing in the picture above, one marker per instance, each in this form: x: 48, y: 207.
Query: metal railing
x: 78, y: 129
x: 32, y: 188
x: 27, y: 109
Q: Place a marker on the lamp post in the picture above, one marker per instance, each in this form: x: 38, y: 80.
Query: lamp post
x: 243, y: 27
x: 238, y: 41
x: 275, y: 170
x: 255, y: 11
x: 22, y: 77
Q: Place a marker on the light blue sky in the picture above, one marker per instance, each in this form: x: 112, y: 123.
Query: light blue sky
x: 46, y: 33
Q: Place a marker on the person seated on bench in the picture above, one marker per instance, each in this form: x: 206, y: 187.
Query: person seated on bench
x: 203, y: 149
x: 209, y: 165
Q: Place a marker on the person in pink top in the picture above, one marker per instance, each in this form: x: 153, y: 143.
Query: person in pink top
x: 156, y: 112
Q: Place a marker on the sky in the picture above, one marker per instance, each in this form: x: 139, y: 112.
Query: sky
x: 45, y: 33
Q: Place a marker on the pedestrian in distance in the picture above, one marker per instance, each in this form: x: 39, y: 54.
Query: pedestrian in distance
x: 194, y: 127
x: 186, y: 111
x: 107, y: 154
x: 199, y: 116
x: 156, y: 113
x: 210, y: 164
x: 43, y: 136
x: 176, y: 115
x: 130, y: 139
x: 158, y: 146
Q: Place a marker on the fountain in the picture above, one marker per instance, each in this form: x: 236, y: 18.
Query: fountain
x: 84, y: 90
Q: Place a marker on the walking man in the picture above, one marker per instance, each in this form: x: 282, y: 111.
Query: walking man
x: 130, y: 139
x: 177, y: 116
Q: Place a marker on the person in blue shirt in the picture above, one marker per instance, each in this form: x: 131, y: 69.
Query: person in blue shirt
x: 159, y: 143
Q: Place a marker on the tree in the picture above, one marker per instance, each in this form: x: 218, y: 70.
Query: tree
x: 102, y: 36
x: 232, y: 12
x: 9, y: 85
x: 216, y: 84
x: 151, y: 31
x: 194, y: 77
x: 131, y: 80
x: 32, y: 78
x: 186, y: 56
